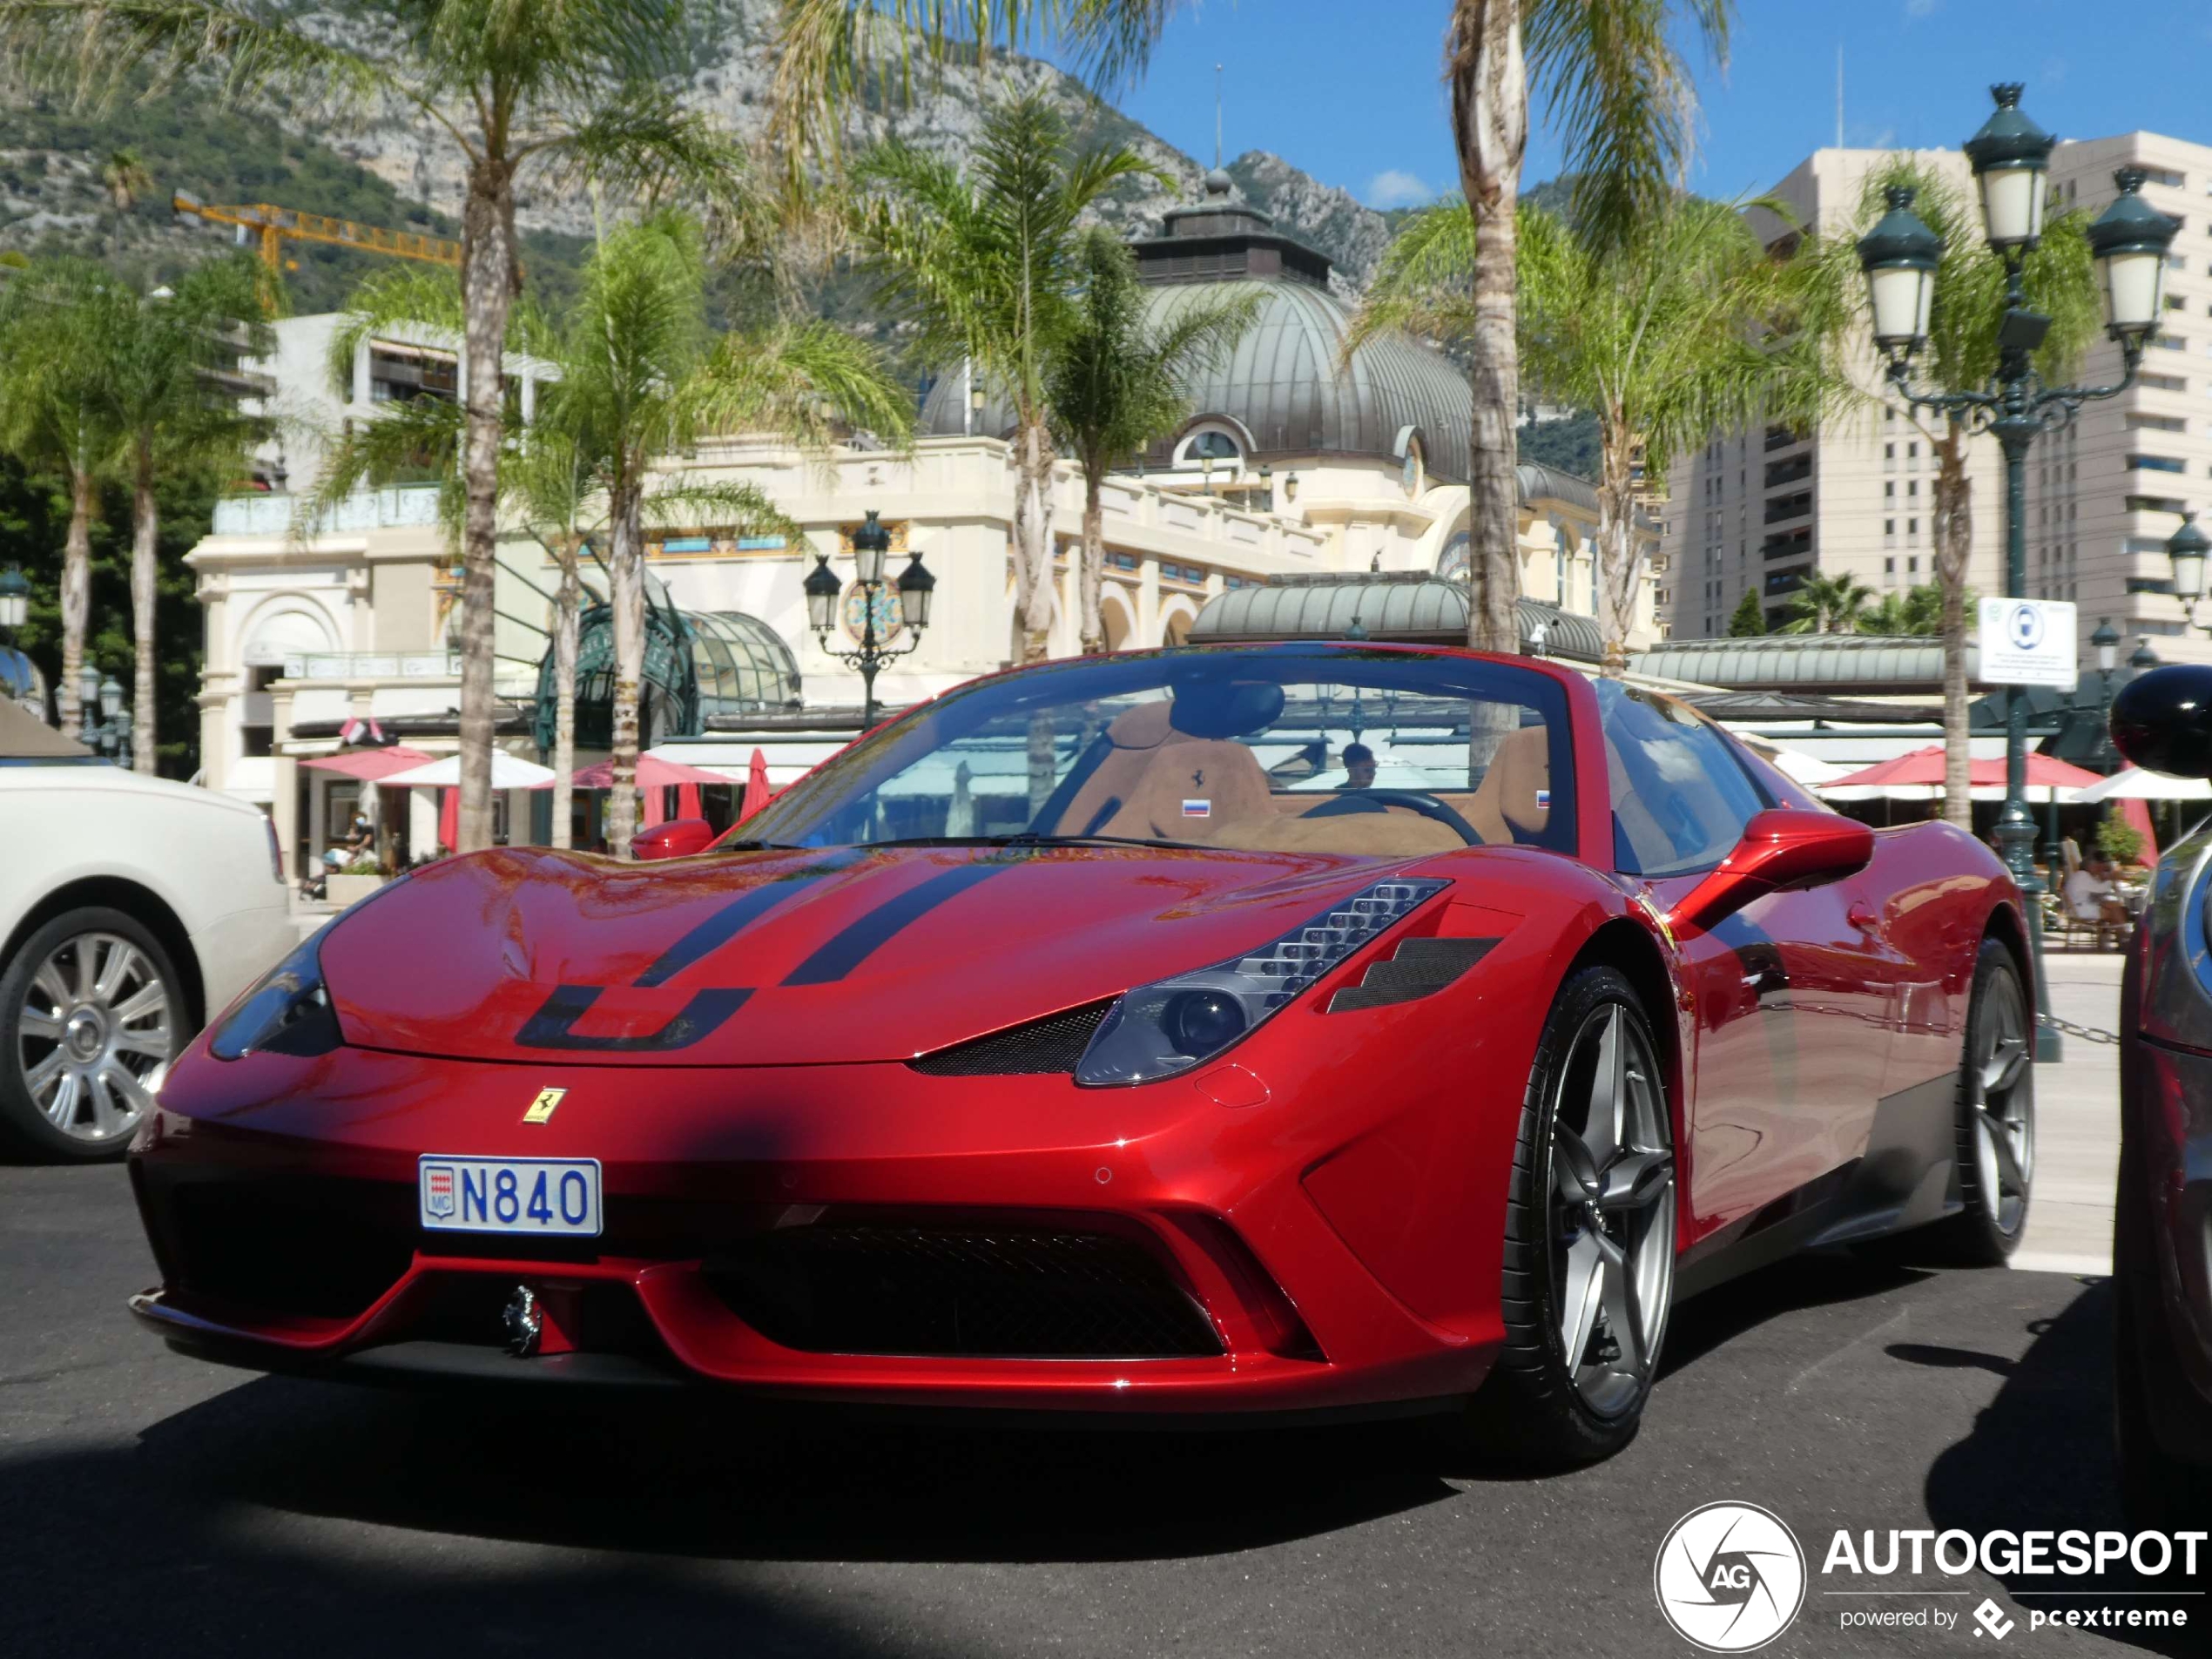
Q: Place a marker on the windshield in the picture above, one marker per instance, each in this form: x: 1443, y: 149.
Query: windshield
x: 1387, y: 754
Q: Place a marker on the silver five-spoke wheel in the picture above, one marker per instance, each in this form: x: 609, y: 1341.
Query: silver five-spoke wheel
x: 1612, y: 1211
x: 2000, y: 1083
x: 93, y: 1036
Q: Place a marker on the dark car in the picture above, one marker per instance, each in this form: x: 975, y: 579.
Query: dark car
x: 2162, y: 1245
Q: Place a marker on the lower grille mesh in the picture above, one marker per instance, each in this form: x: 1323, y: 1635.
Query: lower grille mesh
x: 1005, y: 1293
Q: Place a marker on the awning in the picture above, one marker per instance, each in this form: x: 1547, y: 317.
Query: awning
x: 653, y: 773
x: 508, y: 771
x: 371, y: 765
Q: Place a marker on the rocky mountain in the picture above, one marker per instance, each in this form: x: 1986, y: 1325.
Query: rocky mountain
x: 57, y: 188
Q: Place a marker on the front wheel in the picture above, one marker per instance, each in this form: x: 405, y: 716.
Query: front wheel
x: 1589, y: 1256
x: 1996, y: 1122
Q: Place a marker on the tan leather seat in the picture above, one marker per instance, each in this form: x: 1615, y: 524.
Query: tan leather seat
x: 1395, y: 833
x: 1516, y: 790
x: 1136, y: 734
x: 1225, y: 775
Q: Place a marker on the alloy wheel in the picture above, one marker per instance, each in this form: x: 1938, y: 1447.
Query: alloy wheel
x: 2001, y: 1072
x: 1612, y: 1211
x: 93, y: 1038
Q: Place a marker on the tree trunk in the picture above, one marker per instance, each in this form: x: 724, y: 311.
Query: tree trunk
x: 1033, y: 539
x: 145, y: 528
x: 76, y: 595
x: 1490, y: 126
x: 1092, y: 577
x: 487, y: 292
x: 566, y: 597
x: 1953, y: 525
x: 1616, y: 521
x: 626, y: 578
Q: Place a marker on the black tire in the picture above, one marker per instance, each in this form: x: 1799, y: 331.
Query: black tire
x: 25, y: 1128
x: 1987, y: 1230
x: 2156, y: 1412
x: 1529, y: 1410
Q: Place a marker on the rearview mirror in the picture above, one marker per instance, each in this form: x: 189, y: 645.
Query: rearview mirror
x: 2163, y: 720
x: 1787, y: 846
x: 677, y: 838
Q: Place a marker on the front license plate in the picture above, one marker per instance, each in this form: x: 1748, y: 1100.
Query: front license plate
x: 556, y: 1197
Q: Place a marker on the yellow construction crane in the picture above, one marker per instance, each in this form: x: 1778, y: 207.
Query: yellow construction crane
x: 270, y: 226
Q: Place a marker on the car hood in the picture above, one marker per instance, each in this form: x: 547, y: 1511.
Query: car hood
x: 791, y: 958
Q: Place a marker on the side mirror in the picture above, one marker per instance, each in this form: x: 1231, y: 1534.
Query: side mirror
x: 677, y: 838
x: 1787, y: 846
x: 2163, y: 720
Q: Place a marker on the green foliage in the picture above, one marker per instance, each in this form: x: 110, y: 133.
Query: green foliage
x: 1116, y: 381
x: 985, y: 262
x: 2120, y: 841
x: 1826, y: 604
x: 1571, y: 445
x: 34, y: 512
x: 1917, y: 611
x: 1749, y: 620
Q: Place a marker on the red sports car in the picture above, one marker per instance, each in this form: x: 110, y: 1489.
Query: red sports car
x: 1275, y: 1029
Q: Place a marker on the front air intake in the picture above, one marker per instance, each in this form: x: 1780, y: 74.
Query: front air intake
x: 998, y: 1292
x: 1053, y: 1043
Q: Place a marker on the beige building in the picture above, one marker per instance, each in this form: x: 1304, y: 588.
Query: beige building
x: 1291, y: 465
x: 1756, y: 511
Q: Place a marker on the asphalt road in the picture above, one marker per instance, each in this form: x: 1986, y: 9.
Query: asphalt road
x: 150, y: 1504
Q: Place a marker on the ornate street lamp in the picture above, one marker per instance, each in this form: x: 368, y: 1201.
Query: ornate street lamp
x: 871, y: 546
x: 2142, y: 659
x: 15, y: 601
x: 2105, y: 643
x: 109, y: 731
x: 2185, y: 551
x: 18, y: 680
x: 2011, y: 156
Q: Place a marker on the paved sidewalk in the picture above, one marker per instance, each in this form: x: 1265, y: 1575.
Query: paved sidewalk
x: 2077, y: 1123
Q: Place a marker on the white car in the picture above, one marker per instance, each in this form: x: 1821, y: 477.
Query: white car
x: 132, y: 910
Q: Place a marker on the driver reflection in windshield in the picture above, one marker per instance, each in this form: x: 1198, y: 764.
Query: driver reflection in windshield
x: 1358, y: 767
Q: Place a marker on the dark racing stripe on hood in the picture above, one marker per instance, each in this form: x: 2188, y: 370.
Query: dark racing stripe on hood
x: 859, y: 940
x: 741, y: 912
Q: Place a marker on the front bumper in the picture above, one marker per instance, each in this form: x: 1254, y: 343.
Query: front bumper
x: 1335, y: 1248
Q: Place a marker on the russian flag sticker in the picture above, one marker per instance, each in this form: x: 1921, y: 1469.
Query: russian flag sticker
x: 1543, y: 797
x: 1198, y: 808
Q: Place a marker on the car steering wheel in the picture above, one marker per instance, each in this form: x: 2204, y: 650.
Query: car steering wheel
x: 1414, y: 800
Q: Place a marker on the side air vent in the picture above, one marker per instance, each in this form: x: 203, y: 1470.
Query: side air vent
x: 1419, y: 967
x: 1053, y: 1043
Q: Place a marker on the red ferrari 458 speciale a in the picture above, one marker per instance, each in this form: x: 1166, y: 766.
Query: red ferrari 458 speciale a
x: 1286, y: 1029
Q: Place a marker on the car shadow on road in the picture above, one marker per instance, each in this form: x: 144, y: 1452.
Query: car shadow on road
x: 730, y: 1479
x: 1817, y: 1279
x: 2041, y: 1457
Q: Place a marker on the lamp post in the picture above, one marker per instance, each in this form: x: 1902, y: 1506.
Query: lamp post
x: 2011, y: 159
x: 2142, y: 659
x: 17, y: 682
x: 111, y: 732
x: 871, y: 544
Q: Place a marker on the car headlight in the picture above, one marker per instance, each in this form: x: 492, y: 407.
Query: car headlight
x: 288, y: 1012
x: 1170, y: 1025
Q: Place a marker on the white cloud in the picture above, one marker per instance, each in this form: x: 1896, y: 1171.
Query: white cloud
x: 1393, y: 187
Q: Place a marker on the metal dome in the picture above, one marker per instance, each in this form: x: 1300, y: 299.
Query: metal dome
x: 1281, y: 385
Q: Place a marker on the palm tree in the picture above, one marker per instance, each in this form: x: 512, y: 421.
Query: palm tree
x: 1961, y: 354
x: 1916, y: 611
x: 1827, y: 604
x: 985, y: 268
x: 518, y: 90
x: 156, y: 352
x: 54, y: 418
x: 1117, y: 382
x: 1683, y: 327
x: 124, y: 177
x: 643, y: 376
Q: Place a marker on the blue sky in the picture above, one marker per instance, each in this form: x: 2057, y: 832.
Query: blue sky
x: 1349, y: 91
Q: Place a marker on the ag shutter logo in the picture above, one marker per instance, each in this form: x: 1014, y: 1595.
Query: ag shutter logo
x: 1729, y: 1577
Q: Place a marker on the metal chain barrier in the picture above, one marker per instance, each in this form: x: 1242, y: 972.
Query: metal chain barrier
x: 2087, y: 1033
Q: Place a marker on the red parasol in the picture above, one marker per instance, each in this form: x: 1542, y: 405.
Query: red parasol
x: 369, y: 764
x: 1924, y: 766
x: 757, y: 793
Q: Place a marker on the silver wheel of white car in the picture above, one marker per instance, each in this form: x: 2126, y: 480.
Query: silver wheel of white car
x: 90, y: 1015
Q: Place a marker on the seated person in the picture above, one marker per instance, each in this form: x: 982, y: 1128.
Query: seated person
x: 2091, y: 896
x: 1359, y: 766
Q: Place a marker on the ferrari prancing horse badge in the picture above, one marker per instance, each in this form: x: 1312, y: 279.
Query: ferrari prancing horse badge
x: 541, y: 1109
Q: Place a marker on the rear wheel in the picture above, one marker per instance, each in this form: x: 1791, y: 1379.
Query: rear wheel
x: 1589, y: 1256
x: 90, y: 1015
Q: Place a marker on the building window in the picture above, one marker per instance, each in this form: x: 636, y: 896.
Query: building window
x: 2171, y: 342
x: 1889, y: 566
x: 1889, y: 491
x: 1913, y: 566
x: 2155, y: 463
x: 1889, y: 457
x: 1889, y: 532
x: 1912, y: 534
x: 1912, y: 455
x: 2165, y: 175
